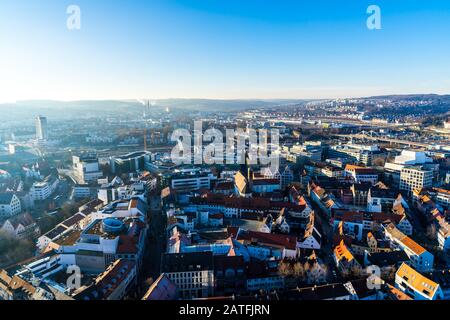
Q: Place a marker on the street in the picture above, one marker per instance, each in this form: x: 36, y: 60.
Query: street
x: 326, y: 252
x: 156, y: 240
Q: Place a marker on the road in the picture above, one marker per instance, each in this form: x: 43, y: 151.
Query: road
x: 326, y: 252
x: 156, y: 241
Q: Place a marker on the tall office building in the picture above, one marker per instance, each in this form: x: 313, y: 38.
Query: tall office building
x: 41, y: 128
x: 415, y: 178
x: 86, y: 168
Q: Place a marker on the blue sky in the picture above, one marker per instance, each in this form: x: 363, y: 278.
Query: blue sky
x: 222, y: 49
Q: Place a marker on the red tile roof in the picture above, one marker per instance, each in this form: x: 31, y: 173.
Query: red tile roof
x: 278, y: 240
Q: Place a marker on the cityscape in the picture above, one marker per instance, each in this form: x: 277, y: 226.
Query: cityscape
x: 321, y: 197
x: 358, y: 204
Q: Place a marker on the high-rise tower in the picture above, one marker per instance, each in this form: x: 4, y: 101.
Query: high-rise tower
x: 41, y: 128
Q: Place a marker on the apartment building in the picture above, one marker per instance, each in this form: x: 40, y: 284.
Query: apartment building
x: 416, y: 285
x: 9, y: 205
x: 113, y: 284
x: 420, y: 258
x: 191, y: 180
x: 192, y: 273
x: 86, y: 168
x: 415, y: 178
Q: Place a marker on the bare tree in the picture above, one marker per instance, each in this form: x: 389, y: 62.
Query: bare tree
x: 379, y: 162
x: 285, y: 269
x: 299, y: 270
x: 431, y: 231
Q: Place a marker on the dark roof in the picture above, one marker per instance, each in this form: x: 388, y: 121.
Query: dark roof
x: 257, y: 269
x: 55, y: 232
x: 362, y: 186
x: 365, y: 171
x: 186, y: 262
x: 384, y: 193
x: 385, y: 259
x: 95, y: 202
x: 228, y: 262
x: 107, y: 282
x: 325, y: 292
x: 362, y: 289
x: 278, y: 240
x: 73, y: 220
x: 162, y: 289
x: 5, y: 198
x: 224, y: 185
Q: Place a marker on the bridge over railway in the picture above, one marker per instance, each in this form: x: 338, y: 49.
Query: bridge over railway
x: 390, y: 141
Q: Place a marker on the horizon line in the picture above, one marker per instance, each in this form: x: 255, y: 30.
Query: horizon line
x: 215, y: 99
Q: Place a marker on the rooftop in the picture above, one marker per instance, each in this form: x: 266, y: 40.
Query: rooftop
x: 417, y: 281
x: 406, y: 241
x: 187, y: 262
x: 269, y: 239
x: 69, y: 238
x: 107, y: 282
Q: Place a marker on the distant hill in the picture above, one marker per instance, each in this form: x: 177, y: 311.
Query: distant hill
x: 222, y: 105
x: 27, y: 110
x: 61, y: 109
x: 411, y: 97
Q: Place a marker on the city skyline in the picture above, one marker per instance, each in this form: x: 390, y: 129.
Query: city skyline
x: 233, y: 157
x: 222, y: 50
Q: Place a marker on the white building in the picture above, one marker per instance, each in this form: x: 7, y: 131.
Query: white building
x: 443, y: 197
x: 191, y: 180
x: 412, y: 158
x: 86, y: 168
x: 415, y: 178
x: 113, y: 284
x: 361, y: 174
x: 405, y: 160
x: 22, y: 226
x: 44, y: 189
x: 420, y: 259
x: 192, y: 273
x: 113, y: 192
x: 9, y: 205
x: 416, y: 285
x: 82, y: 191
x: 101, y: 243
x: 359, y: 153
x: 311, y: 240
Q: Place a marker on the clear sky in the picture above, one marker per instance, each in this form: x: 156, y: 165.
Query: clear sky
x: 129, y: 49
